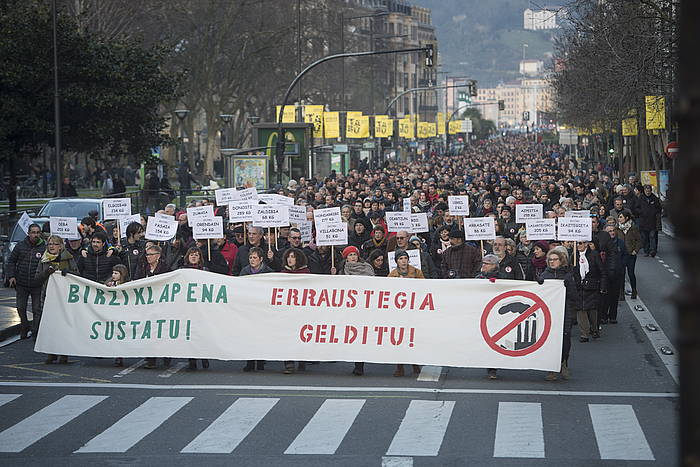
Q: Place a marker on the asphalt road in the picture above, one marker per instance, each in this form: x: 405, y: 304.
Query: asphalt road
x: 619, y: 408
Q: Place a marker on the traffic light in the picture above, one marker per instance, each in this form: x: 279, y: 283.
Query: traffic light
x: 473, y: 91
x: 526, y: 116
x: 429, y: 52
x: 501, y: 105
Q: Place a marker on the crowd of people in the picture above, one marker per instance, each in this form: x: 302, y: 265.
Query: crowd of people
x: 496, y: 175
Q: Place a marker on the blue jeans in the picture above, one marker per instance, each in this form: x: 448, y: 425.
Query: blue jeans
x: 650, y: 240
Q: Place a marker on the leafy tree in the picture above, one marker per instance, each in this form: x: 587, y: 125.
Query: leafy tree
x: 480, y: 127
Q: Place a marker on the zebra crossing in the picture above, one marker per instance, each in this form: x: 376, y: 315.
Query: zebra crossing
x: 519, y: 428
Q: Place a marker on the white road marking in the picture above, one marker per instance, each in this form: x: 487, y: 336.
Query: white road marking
x: 657, y: 338
x: 172, y: 370
x: 388, y: 461
x: 135, y: 425
x: 5, y: 398
x: 327, y: 428
x: 433, y: 391
x: 231, y: 427
x: 430, y: 373
x: 130, y: 369
x: 676, y: 276
x: 671, y: 270
x: 618, y: 433
x: 45, y: 421
x: 519, y: 430
x: 422, y: 429
x: 9, y: 341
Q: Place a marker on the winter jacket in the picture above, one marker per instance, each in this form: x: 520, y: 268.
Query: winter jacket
x: 510, y: 268
x: 649, y: 211
x: 565, y: 274
x: 24, y: 261
x: 413, y: 273
x: 97, y: 266
x: 246, y: 271
x: 463, y: 260
x: 143, y: 270
x: 633, y: 240
x: 241, y: 260
x: 64, y: 262
x: 229, y: 252
x: 319, y: 264
x: 131, y: 255
x: 588, y: 288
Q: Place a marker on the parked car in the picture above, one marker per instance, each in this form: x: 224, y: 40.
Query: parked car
x: 71, y: 207
x: 12, y: 240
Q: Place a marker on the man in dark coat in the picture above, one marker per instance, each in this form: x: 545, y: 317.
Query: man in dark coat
x: 460, y: 261
x: 649, y: 212
x: 509, y: 266
x: 255, y: 238
x: 21, y: 269
x: 96, y: 261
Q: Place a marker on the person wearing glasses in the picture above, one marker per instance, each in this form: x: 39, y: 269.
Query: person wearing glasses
x: 54, y: 259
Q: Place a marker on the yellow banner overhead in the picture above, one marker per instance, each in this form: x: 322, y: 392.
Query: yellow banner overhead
x: 426, y: 130
x: 314, y: 114
x: 432, y: 130
x: 629, y: 127
x: 289, y: 114
x: 656, y: 112
x: 331, y: 125
x: 455, y: 127
x: 357, y: 126
x: 440, y: 123
x: 383, y: 127
x: 406, y: 128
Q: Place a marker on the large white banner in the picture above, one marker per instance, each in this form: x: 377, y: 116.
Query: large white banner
x: 196, y: 314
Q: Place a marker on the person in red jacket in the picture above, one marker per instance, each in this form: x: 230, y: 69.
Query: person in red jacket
x: 228, y: 250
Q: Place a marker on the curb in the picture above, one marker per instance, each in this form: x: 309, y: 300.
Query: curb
x: 11, y: 331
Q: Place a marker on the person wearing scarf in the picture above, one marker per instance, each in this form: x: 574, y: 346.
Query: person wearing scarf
x: 55, y: 258
x: 591, y: 280
x: 538, y: 262
x: 633, y: 243
x: 354, y: 266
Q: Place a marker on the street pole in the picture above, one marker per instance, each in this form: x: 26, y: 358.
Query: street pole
x: 56, y: 105
x: 279, y: 147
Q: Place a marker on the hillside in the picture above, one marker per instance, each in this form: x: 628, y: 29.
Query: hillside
x: 484, y: 39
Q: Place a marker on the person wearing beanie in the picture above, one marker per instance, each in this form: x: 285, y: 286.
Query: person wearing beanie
x: 405, y: 270
x: 459, y: 261
x: 348, y: 250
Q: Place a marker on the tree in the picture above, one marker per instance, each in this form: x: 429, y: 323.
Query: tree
x: 481, y: 128
x: 110, y: 89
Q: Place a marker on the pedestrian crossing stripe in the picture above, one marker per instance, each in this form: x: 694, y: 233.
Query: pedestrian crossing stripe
x: 618, y: 434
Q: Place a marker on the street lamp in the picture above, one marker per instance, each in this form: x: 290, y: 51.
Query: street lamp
x: 226, y: 118
x: 181, y: 114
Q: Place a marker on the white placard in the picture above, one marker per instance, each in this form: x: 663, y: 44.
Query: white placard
x: 241, y: 211
x: 458, y: 205
x: 306, y: 229
x: 413, y: 259
x: 225, y: 196
x: 208, y: 227
x: 161, y: 215
x: 124, y: 222
x: 327, y: 216
x: 525, y: 212
x: 199, y: 212
x: 574, y: 229
x: 578, y: 214
x: 114, y: 208
x: 275, y: 199
x: 64, y: 227
x: 266, y: 215
x: 332, y: 234
x: 419, y: 223
x: 24, y: 222
x: 479, y: 228
x: 297, y: 214
x: 407, y: 205
x: 249, y: 194
x: 541, y: 229
x: 160, y: 230
x: 397, y: 221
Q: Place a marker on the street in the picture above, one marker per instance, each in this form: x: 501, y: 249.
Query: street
x: 619, y: 408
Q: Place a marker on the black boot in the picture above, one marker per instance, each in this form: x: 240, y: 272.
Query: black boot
x: 359, y: 369
x: 259, y: 365
x: 249, y: 366
x: 205, y: 363
x: 192, y: 364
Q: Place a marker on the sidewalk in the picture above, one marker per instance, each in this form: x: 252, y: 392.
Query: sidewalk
x: 9, y: 320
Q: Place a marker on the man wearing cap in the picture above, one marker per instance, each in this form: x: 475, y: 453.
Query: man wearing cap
x: 489, y: 268
x: 459, y: 261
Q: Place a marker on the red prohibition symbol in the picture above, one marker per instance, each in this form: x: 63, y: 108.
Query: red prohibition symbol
x: 519, y: 316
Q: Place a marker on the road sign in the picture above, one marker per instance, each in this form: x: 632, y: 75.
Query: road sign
x: 516, y: 323
x: 672, y: 149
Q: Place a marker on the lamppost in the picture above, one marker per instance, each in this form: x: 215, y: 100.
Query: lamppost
x: 225, y: 136
x: 57, y: 108
x: 183, y: 173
